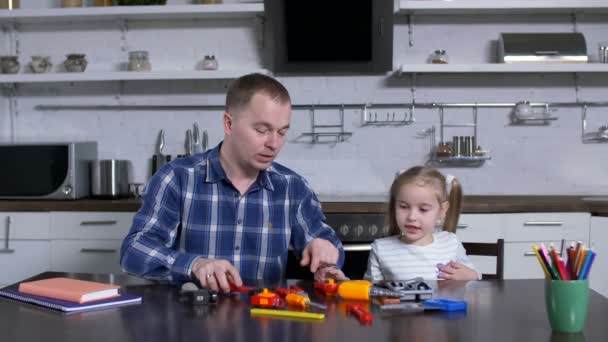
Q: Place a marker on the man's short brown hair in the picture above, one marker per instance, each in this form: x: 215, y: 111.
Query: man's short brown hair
x: 241, y: 91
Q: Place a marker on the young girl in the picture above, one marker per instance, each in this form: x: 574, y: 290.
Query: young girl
x: 421, y: 199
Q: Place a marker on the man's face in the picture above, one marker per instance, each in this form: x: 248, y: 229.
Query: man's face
x: 258, y: 132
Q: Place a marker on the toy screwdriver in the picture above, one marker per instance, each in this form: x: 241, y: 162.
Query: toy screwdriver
x: 302, y: 301
x: 363, y: 290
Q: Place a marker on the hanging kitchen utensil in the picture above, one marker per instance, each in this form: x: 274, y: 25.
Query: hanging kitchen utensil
x: 158, y: 160
x: 196, y: 146
x: 204, y: 140
x: 189, y: 142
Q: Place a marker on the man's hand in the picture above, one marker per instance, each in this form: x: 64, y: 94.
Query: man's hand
x: 324, y: 273
x: 319, y: 252
x: 216, y: 274
x: 456, y: 271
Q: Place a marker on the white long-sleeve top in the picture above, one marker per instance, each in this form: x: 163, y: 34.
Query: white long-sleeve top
x: 392, y: 259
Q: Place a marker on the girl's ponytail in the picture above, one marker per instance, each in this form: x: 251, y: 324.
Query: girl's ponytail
x: 455, y: 201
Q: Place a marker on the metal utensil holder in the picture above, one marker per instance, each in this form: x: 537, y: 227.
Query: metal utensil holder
x: 590, y: 137
x: 340, y: 135
x: 459, y: 160
x: 391, y: 119
x: 543, y: 118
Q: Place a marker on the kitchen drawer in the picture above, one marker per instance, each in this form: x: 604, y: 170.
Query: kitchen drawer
x: 27, y: 259
x: 95, y: 256
x: 546, y: 226
x: 90, y: 225
x: 520, y: 261
x: 24, y: 226
x: 479, y: 227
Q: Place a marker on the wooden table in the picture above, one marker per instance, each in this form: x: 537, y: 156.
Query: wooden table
x: 510, y: 310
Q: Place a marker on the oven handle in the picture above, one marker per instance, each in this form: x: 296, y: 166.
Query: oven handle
x: 365, y: 247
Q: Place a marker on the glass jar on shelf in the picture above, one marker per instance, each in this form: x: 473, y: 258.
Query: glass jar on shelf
x: 9, y: 64
x: 210, y: 63
x: 75, y: 62
x: 139, y: 61
x: 439, y: 57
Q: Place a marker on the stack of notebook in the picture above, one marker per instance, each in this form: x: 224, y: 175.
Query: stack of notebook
x: 69, y: 295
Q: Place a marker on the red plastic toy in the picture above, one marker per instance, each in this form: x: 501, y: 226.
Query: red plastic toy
x: 365, y: 317
x: 267, y: 299
x: 248, y: 290
x: 281, y: 291
x: 328, y: 288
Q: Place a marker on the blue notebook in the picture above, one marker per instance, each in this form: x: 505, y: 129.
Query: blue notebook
x: 69, y: 307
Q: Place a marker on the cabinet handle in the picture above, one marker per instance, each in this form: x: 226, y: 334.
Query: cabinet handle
x: 358, y: 248
x: 98, y: 250
x: 7, y: 236
x: 462, y: 226
x: 543, y: 223
x: 98, y: 223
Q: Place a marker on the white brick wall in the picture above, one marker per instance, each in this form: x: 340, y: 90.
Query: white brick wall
x: 525, y: 160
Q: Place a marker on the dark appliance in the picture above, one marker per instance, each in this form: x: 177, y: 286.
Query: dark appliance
x: 46, y: 171
x: 356, y: 231
x: 338, y: 36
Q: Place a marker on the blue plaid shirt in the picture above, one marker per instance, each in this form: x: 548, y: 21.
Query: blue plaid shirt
x: 190, y: 209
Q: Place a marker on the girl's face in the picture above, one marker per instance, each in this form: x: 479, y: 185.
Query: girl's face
x: 417, y: 212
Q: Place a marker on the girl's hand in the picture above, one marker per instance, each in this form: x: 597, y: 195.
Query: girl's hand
x: 456, y: 271
x: 324, y: 273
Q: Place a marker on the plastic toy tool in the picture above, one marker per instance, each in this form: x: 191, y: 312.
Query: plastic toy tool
x: 267, y: 299
x: 363, y: 290
x: 302, y: 301
x: 328, y: 288
x: 437, y: 304
x: 364, y: 316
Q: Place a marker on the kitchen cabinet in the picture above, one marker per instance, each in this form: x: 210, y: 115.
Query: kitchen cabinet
x: 480, y: 228
x: 520, y: 231
x: 598, y: 278
x: 24, y: 245
x: 88, y: 241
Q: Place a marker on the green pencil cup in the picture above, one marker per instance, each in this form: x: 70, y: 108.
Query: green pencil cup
x: 567, y: 302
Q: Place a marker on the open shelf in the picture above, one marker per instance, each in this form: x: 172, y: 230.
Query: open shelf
x: 503, y: 68
x: 472, y: 7
x: 125, y: 76
x: 461, y: 159
x: 219, y: 11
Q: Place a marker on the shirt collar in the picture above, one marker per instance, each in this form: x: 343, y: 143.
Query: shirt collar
x: 215, y: 171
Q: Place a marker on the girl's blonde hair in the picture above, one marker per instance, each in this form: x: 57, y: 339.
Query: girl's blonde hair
x: 428, y: 176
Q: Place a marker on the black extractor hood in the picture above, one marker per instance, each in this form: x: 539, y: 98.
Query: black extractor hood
x: 331, y: 36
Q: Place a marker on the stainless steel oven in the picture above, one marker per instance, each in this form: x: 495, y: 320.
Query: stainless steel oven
x: 46, y: 171
x: 356, y: 231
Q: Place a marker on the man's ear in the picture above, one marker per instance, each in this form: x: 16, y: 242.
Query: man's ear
x: 227, y: 123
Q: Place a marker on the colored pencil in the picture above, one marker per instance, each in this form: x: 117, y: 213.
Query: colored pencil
x: 579, y: 263
x: 558, y: 264
x: 587, y: 265
x: 542, y: 262
x: 547, y: 259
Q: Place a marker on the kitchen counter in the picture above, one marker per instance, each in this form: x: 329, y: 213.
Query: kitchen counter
x: 596, y: 205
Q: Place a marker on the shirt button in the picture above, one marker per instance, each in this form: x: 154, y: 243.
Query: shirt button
x: 239, y: 221
x: 237, y: 248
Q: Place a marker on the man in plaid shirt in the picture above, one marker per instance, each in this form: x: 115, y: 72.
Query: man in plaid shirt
x: 231, y: 213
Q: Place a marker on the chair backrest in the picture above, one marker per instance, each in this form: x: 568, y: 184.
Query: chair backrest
x: 489, y: 249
